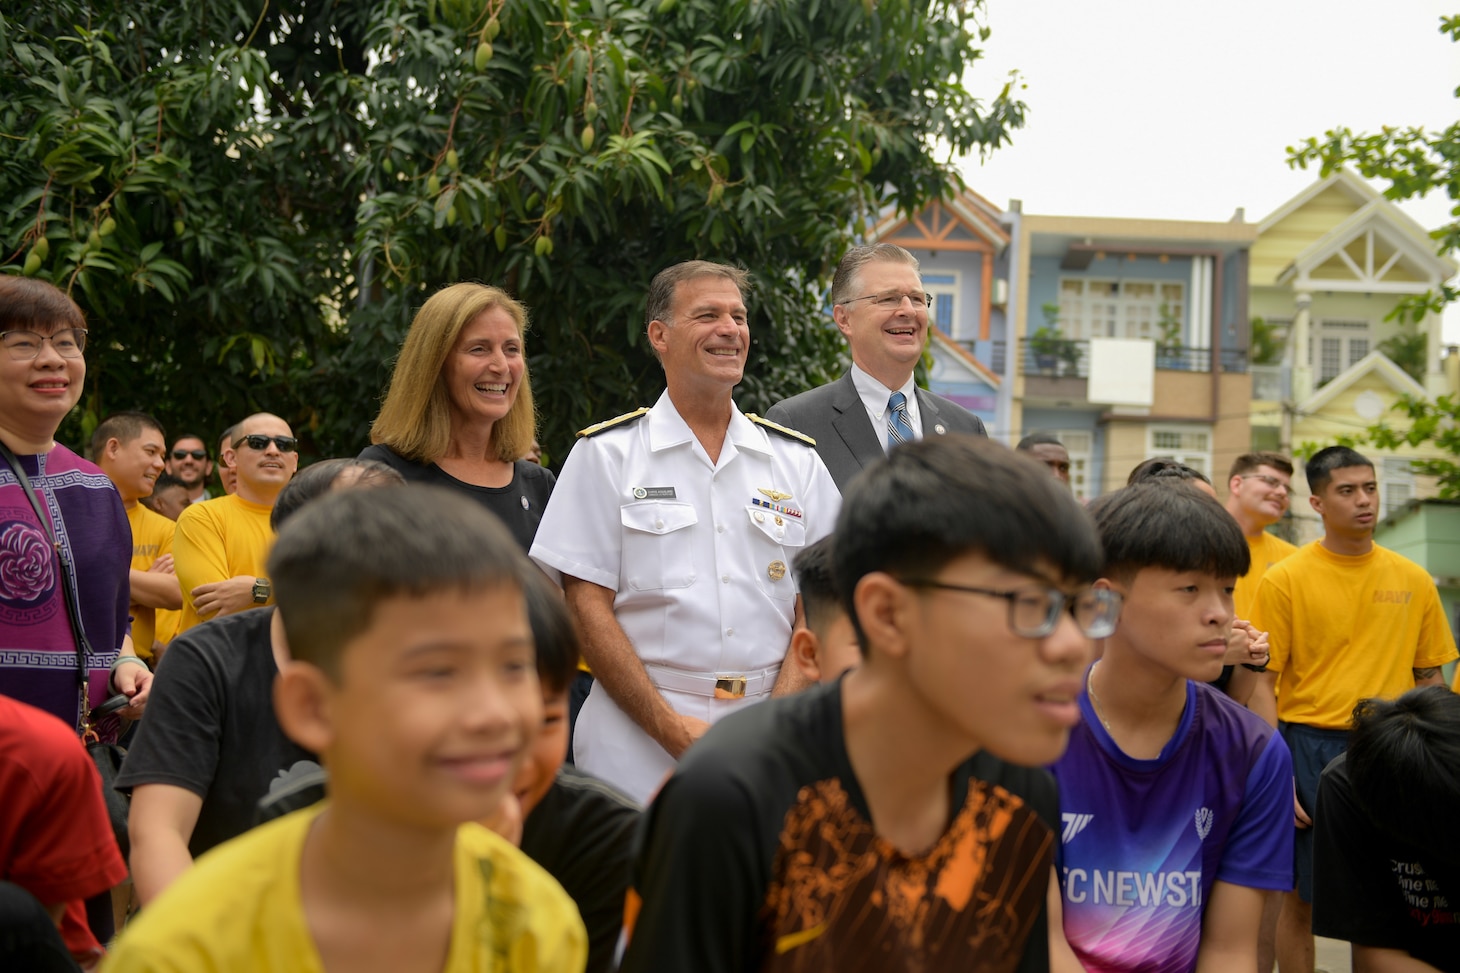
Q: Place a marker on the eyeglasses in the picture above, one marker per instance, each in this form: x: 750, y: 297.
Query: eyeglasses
x: 286, y: 444
x: 1034, y: 611
x: 893, y: 300
x: 26, y: 345
x: 1272, y: 481
x: 198, y: 454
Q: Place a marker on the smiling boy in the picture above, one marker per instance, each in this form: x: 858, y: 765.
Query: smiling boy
x: 872, y: 823
x: 413, y: 677
x: 1174, y: 798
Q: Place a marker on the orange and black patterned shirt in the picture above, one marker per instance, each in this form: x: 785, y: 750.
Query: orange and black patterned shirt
x: 760, y: 854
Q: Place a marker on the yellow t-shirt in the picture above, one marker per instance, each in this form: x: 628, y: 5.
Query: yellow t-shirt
x: 167, y: 625
x: 1267, y: 550
x: 151, y: 538
x: 1344, y: 629
x: 217, y: 540
x: 240, y: 909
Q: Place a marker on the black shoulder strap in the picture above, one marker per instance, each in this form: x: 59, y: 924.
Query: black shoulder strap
x: 73, y: 607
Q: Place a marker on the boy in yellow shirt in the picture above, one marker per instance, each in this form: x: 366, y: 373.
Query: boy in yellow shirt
x: 413, y: 676
x: 1346, y: 620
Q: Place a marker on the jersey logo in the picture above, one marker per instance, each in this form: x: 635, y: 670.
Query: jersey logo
x: 1203, y: 822
x: 1074, y: 824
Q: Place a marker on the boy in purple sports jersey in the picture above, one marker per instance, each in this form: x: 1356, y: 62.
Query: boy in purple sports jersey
x: 1175, y: 801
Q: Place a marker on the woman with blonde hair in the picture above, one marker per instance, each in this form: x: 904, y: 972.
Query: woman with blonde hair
x: 458, y: 411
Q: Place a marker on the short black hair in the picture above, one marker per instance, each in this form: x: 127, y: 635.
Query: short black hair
x: 344, y: 554
x: 1320, y: 466
x: 166, y: 481
x: 937, y: 499
x: 1038, y: 439
x: 1164, y: 469
x: 1404, y: 762
x: 1151, y: 525
x: 190, y: 435
x: 814, y: 569
x: 123, y: 427
x: 554, y: 636
x: 316, y: 479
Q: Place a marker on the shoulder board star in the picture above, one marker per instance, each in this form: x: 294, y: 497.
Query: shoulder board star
x: 776, y: 427
x: 599, y: 427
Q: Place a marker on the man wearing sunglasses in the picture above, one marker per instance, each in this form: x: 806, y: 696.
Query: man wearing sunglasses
x: 879, y: 303
x: 188, y: 461
x: 222, y: 544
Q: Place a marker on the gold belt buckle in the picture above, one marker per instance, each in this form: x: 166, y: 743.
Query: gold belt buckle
x: 730, y: 687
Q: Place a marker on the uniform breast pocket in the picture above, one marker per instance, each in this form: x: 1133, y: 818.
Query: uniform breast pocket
x: 658, y: 544
x: 775, y: 539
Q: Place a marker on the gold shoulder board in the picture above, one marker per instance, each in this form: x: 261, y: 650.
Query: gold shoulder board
x: 599, y: 427
x: 776, y: 427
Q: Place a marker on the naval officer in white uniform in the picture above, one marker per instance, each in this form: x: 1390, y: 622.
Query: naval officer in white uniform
x: 673, y: 530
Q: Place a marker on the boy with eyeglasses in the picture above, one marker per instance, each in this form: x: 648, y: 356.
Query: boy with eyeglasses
x: 1259, y: 489
x: 222, y: 544
x: 1174, y: 799
x: 873, y: 823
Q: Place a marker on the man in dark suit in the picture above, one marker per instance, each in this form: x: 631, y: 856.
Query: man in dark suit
x: 879, y: 303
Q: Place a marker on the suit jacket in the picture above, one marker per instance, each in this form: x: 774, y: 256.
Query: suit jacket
x: 834, y: 416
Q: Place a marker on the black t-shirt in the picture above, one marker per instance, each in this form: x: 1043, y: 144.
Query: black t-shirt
x: 519, y: 504
x: 1374, y: 889
x: 759, y: 854
x: 582, y: 833
x: 210, y: 726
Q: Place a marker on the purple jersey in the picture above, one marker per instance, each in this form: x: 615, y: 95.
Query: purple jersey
x: 37, y: 649
x: 1142, y: 841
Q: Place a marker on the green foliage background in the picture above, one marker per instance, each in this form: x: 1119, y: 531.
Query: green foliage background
x: 250, y: 199
x: 1415, y: 162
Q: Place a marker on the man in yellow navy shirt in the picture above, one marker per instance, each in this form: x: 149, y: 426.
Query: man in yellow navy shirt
x: 129, y: 447
x: 1258, y: 492
x: 223, y: 544
x: 1347, y: 620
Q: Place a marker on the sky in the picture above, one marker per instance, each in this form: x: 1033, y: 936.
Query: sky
x: 1167, y: 109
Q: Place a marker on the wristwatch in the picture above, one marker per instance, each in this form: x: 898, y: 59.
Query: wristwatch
x: 262, y: 590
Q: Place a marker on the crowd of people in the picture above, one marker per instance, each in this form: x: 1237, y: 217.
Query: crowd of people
x: 434, y: 708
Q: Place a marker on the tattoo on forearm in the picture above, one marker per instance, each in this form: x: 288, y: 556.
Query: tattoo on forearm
x: 1420, y: 675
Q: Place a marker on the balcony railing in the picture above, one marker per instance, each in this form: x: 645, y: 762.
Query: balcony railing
x: 1054, y: 358
x: 1070, y: 358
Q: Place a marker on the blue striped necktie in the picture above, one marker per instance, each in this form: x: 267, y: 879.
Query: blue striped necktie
x: 898, y: 429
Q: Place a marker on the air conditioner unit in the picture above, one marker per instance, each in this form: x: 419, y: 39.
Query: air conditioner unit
x: 1000, y: 296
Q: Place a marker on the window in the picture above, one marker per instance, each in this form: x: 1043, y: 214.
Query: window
x: 1396, y: 485
x: 1122, y: 309
x: 1191, y: 445
x: 944, y: 289
x: 1337, y: 347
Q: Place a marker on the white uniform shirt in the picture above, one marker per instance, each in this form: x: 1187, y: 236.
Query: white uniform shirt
x: 874, y: 396
x: 698, y: 554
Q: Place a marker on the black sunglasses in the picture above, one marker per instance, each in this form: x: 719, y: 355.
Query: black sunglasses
x: 286, y: 444
x: 198, y: 454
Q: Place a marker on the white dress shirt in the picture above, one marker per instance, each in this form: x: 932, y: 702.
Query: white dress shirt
x: 699, y: 564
